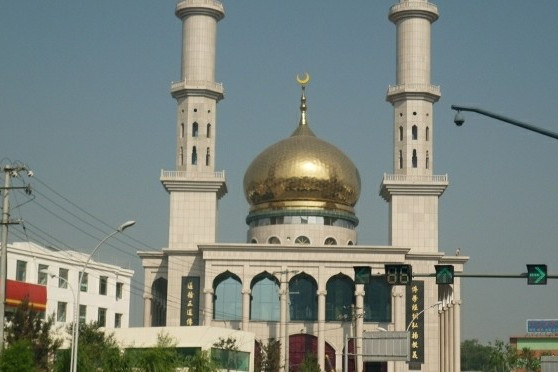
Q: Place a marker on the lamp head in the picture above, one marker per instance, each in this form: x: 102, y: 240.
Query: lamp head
x: 459, y: 119
x: 125, y: 225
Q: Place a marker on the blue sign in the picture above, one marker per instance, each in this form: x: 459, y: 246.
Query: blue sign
x: 542, y: 326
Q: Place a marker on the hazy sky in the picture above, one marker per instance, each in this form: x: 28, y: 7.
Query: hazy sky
x: 85, y: 102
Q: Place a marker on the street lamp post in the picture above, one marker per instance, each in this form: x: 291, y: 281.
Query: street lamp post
x: 460, y: 119
x: 420, y: 312
x: 53, y: 275
x: 122, y: 227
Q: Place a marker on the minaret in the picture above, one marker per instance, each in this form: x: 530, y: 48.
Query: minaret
x: 194, y: 186
x: 412, y: 191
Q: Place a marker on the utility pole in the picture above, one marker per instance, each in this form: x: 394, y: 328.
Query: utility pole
x: 9, y: 172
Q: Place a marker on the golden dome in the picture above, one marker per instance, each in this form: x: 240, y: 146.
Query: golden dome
x: 302, y: 172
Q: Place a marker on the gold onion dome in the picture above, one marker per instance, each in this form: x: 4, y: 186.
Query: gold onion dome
x: 303, y: 175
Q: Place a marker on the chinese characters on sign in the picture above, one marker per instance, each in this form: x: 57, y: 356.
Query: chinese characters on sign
x: 190, y: 301
x: 542, y: 326
x: 415, y: 304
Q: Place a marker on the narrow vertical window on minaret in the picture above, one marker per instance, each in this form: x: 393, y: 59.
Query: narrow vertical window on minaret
x: 415, y: 132
x: 195, y: 129
x: 415, y: 160
x: 181, y: 130
x: 427, y: 161
x: 427, y: 133
x: 181, y: 156
x: 208, y: 130
x: 400, y: 159
x: 207, y: 157
x: 400, y: 133
x: 194, y: 156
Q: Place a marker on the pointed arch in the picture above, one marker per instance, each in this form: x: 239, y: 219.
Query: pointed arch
x: 195, y: 129
x: 264, y: 303
x: 227, y: 298
x: 414, y: 132
x: 401, y: 133
x: 414, y: 160
x: 194, y: 156
x: 208, y: 130
x: 303, y: 298
x: 159, y: 302
x: 377, y: 300
x: 340, y: 296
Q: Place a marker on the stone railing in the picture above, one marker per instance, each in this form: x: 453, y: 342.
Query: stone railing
x: 168, y: 175
x: 415, y: 178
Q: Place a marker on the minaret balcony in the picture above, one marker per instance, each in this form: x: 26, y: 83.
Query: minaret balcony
x: 400, y: 92
x: 192, y: 181
x: 413, y: 9
x: 412, y: 184
x: 203, y: 88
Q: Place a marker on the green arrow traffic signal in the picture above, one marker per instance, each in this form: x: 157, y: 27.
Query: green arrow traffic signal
x: 444, y: 274
x: 536, y: 274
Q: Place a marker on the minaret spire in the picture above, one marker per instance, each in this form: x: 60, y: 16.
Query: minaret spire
x: 303, y: 83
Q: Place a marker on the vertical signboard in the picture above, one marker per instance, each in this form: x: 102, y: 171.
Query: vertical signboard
x: 190, y: 301
x: 415, y: 320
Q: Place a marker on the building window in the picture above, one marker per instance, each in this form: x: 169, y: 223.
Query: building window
x: 427, y: 161
x: 303, y: 298
x: 377, y: 300
x: 207, y: 157
x: 273, y: 240
x: 400, y: 133
x: 117, y: 320
x: 227, y: 302
x: 61, y: 312
x: 254, y: 241
x: 195, y: 129
x: 330, y: 241
x: 62, y: 278
x: 194, y: 156
x: 414, y: 131
x: 265, y: 304
x: 119, y: 287
x: 103, y: 285
x: 84, y: 282
x: 208, y: 130
x: 82, y: 313
x: 427, y: 133
x: 42, y: 275
x: 181, y: 156
x: 414, y: 159
x: 400, y: 159
x: 339, y: 298
x: 302, y: 240
x: 21, y: 270
x: 102, y: 317
x: 181, y: 130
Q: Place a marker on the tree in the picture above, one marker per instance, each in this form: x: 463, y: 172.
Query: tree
x: 201, y: 362
x: 475, y: 356
x: 268, y: 359
x: 25, y: 324
x: 309, y: 363
x: 96, y: 351
x: 163, y: 357
x: 502, y: 356
x: 18, y: 357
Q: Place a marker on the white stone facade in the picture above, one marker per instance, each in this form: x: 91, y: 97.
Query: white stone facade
x: 107, y: 290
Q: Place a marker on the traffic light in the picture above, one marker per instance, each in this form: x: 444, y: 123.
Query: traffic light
x: 362, y: 274
x: 399, y: 274
x: 536, y: 274
x: 444, y: 274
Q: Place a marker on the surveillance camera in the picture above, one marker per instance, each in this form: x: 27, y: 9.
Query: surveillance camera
x: 459, y: 119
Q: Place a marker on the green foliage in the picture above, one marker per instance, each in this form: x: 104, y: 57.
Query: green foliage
x: 18, y: 357
x: 96, y: 351
x: 201, y: 362
x: 25, y: 324
x: 269, y: 357
x: 161, y: 358
x: 474, y: 356
x: 309, y: 363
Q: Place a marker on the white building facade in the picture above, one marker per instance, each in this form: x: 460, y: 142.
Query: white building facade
x: 294, y: 278
x: 105, y: 291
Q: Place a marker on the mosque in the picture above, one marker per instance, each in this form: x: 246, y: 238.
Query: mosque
x: 294, y: 279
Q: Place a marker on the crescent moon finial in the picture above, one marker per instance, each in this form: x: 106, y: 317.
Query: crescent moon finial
x: 304, y: 81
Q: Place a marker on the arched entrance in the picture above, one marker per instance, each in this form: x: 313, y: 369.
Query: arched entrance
x: 302, y: 344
